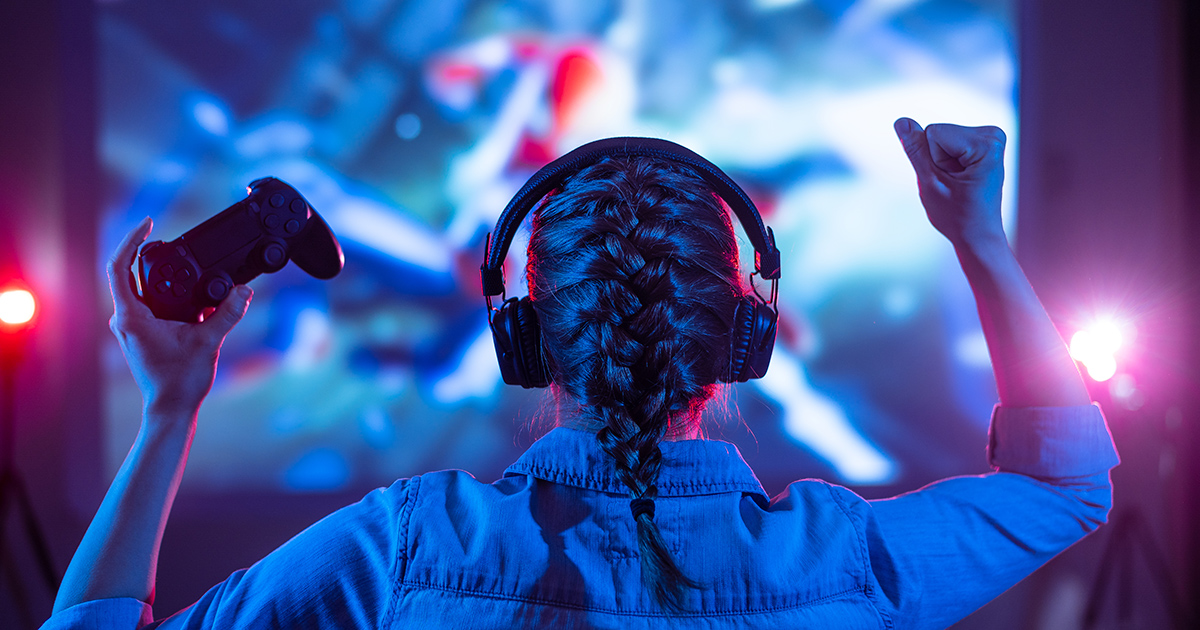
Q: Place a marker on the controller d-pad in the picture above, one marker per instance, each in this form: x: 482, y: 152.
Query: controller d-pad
x: 297, y: 206
x: 162, y: 286
x: 291, y: 227
x: 178, y: 289
x: 182, y: 275
x: 277, y: 200
x: 168, y: 270
x: 272, y: 221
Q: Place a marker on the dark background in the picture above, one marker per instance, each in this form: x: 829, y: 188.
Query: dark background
x: 1110, y: 186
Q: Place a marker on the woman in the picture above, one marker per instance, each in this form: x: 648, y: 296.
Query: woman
x: 622, y: 517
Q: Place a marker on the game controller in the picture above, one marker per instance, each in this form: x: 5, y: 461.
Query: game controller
x: 256, y: 235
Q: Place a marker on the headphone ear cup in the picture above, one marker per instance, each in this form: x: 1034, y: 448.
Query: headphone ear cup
x: 518, y: 341
x: 753, y: 340
x: 762, y: 342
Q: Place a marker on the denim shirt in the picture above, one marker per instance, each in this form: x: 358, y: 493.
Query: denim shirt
x: 553, y: 543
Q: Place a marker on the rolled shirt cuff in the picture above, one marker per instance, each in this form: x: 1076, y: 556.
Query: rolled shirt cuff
x: 122, y: 613
x: 1051, y: 441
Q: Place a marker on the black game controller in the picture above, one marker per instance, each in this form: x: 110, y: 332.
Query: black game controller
x: 256, y: 235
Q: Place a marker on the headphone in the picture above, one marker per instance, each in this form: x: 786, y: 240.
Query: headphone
x: 514, y: 324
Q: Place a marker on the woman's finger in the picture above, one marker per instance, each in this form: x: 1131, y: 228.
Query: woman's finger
x: 228, y: 313
x: 955, y: 148
x: 120, y: 264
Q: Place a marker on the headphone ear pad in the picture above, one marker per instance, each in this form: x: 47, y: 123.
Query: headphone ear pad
x: 753, y: 340
x: 518, y: 341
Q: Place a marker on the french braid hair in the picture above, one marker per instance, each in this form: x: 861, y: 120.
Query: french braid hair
x: 633, y: 273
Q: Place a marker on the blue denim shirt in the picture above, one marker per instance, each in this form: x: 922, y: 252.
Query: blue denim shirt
x: 553, y: 544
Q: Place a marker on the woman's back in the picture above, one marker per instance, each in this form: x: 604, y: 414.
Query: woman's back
x: 551, y: 544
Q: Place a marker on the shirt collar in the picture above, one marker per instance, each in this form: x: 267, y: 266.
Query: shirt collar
x: 689, y: 467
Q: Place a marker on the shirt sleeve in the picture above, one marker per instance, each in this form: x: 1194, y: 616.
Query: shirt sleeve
x: 941, y: 552
x: 339, y: 572
x: 117, y: 613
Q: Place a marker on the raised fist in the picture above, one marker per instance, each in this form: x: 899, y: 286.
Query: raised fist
x: 960, y: 171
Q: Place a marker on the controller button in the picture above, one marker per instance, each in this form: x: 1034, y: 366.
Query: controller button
x: 297, y: 206
x: 272, y: 221
x: 183, y: 274
x: 181, y: 250
x: 254, y: 207
x: 277, y: 200
x: 168, y: 270
x: 292, y: 226
x: 178, y: 290
x: 162, y: 286
x: 217, y: 289
x: 274, y: 256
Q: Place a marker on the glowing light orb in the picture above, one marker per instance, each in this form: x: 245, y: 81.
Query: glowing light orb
x: 16, y: 307
x: 1101, y: 367
x: 1096, y: 349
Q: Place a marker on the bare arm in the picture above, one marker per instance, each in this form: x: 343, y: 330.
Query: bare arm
x: 959, y: 173
x: 942, y: 551
x: 174, y: 365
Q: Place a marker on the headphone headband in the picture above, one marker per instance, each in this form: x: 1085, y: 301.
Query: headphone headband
x: 766, y: 254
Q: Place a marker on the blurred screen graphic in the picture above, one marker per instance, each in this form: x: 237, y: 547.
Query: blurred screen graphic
x: 409, y: 124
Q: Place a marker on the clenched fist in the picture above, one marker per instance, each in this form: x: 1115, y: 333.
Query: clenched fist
x: 960, y: 171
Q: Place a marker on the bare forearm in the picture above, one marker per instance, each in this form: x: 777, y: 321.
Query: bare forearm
x: 119, y: 553
x: 1031, y: 363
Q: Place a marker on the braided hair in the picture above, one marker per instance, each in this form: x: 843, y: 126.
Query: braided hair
x: 633, y: 273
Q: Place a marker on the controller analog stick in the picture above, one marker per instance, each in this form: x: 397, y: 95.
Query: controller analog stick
x: 217, y: 289
x: 273, y: 256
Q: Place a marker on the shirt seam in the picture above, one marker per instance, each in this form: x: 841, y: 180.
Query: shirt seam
x: 401, y: 560
x: 630, y: 613
x: 605, y: 485
x: 860, y: 537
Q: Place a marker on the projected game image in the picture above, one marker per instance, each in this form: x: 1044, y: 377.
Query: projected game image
x: 409, y: 124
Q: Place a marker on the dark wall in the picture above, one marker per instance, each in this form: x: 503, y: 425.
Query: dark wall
x: 1104, y: 229
x: 46, y: 234
x: 1186, y: 527
x: 1103, y: 200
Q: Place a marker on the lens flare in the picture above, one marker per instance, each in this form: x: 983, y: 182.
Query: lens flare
x: 1096, y: 349
x: 16, y: 307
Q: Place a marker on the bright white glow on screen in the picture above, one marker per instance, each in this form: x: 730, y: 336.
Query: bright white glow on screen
x: 276, y: 136
x: 816, y: 421
x: 477, y: 377
x: 971, y: 350
x: 771, y: 5
x: 211, y: 118
x: 393, y: 234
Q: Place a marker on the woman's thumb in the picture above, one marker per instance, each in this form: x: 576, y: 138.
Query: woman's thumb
x: 230, y: 311
x: 916, y: 146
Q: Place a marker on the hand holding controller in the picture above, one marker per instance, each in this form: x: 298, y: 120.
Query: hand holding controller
x: 256, y: 235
